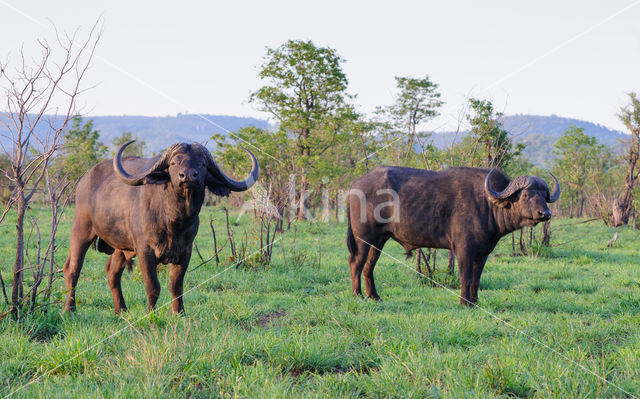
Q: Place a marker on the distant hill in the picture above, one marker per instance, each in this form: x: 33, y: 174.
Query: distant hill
x: 540, y: 133
x: 161, y: 131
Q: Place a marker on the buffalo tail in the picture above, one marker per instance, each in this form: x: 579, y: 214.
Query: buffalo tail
x: 351, y: 240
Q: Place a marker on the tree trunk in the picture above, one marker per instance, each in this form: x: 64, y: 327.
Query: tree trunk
x: 546, y: 233
x: 435, y: 255
x: 301, y: 213
x: 452, y: 263
x: 571, y: 206
x: 17, y: 290
x: 618, y: 215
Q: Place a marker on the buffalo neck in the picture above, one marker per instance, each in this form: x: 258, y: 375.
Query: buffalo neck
x: 505, y: 219
x: 180, y: 209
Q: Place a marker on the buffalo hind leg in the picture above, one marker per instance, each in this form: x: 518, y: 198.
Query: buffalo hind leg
x: 372, y: 257
x: 81, y: 238
x: 148, y: 268
x: 114, y: 267
x: 356, y: 263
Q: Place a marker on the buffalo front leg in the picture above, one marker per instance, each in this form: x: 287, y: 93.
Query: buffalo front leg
x: 148, y: 268
x: 80, y: 241
x: 465, y: 270
x: 176, y: 280
x: 114, y: 267
x: 478, y: 265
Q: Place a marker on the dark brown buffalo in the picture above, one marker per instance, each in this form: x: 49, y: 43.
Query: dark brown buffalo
x: 465, y: 210
x: 147, y: 208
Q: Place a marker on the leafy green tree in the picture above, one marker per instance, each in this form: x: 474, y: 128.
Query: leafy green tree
x: 581, y: 164
x: 417, y: 102
x: 489, y: 141
x: 136, y: 149
x: 305, y: 92
x: 81, y: 149
x: 271, y: 144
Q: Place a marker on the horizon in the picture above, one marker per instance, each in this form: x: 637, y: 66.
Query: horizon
x: 201, y: 114
x: 577, y: 62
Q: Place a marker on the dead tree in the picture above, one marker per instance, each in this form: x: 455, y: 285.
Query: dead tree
x: 40, y: 96
x: 630, y: 116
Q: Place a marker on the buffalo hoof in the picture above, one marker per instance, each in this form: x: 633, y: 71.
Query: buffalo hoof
x: 466, y: 302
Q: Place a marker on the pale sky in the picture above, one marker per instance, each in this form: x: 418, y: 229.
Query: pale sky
x: 570, y: 58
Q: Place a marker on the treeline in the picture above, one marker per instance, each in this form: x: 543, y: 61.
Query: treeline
x: 321, y: 142
x: 80, y: 148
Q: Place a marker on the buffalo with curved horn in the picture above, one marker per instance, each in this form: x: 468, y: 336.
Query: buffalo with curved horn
x: 145, y: 207
x: 465, y: 210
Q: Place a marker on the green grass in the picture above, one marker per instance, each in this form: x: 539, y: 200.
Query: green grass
x: 293, y: 329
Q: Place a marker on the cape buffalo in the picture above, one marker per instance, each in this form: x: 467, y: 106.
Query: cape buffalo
x: 465, y: 210
x: 145, y: 207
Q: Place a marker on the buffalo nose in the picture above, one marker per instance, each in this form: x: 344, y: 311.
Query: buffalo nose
x: 546, y: 214
x: 188, y: 175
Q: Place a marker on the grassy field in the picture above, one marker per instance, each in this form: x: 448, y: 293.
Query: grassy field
x: 292, y: 329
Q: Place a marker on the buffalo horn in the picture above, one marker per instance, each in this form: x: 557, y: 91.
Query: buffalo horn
x: 234, y: 185
x: 556, y: 191
x: 132, y: 180
x: 139, y: 178
x: 514, y: 186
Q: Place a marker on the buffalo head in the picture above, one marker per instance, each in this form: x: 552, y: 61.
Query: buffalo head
x: 186, y: 167
x: 527, y: 196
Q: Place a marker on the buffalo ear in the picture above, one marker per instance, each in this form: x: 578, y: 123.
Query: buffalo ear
x: 157, y: 178
x: 501, y: 203
x: 216, y: 186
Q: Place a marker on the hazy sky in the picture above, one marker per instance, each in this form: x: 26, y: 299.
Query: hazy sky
x: 570, y: 58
